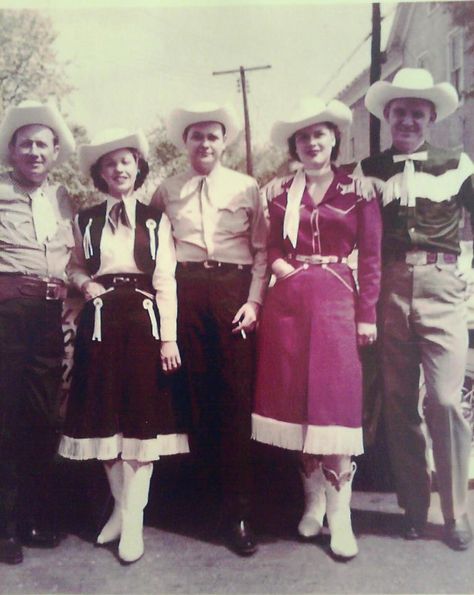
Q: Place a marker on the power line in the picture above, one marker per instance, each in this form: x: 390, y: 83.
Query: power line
x: 242, y: 70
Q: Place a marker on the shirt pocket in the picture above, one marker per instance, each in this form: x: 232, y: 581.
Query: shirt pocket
x: 233, y: 219
x: 64, y: 235
x: 16, y: 229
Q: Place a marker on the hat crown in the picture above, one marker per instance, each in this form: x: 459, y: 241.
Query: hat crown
x: 413, y: 78
x: 307, y: 107
x: 110, y: 134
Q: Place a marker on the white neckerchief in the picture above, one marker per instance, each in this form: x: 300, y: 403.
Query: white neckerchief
x: 295, y: 194
x: 44, y: 216
x: 407, y: 194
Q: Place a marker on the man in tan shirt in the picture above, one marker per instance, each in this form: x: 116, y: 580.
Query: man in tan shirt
x: 35, y: 242
x: 220, y: 231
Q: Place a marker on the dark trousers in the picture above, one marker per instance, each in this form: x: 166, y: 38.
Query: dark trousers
x: 31, y: 349
x: 219, y: 370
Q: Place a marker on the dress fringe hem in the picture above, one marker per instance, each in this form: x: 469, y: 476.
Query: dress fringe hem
x: 104, y: 449
x: 322, y: 440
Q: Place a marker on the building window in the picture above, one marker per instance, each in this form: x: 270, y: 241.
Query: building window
x: 423, y: 61
x: 456, y: 59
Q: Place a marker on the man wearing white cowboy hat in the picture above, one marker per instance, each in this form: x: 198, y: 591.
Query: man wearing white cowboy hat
x: 220, y: 232
x: 423, y: 309
x: 35, y: 241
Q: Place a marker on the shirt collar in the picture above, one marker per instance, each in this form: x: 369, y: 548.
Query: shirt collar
x: 130, y: 206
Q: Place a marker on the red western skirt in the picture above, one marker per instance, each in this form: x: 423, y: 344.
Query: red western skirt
x: 309, y: 377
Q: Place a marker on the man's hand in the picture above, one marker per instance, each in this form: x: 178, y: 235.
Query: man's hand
x: 246, y: 317
x: 367, y: 187
x: 170, y: 357
x: 92, y: 289
x: 366, y: 334
x: 467, y: 275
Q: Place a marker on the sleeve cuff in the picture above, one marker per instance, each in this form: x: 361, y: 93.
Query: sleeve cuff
x: 168, y: 329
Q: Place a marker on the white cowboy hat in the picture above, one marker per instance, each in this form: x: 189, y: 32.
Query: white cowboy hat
x: 310, y: 110
x: 110, y: 140
x: 33, y: 112
x: 415, y: 83
x: 179, y: 119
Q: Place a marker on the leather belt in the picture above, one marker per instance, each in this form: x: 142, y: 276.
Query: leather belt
x: 134, y: 281
x: 13, y: 285
x: 317, y: 258
x: 213, y: 265
x: 422, y: 257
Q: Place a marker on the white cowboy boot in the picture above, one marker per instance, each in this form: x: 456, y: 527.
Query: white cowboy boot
x: 136, y: 484
x: 315, y: 504
x: 338, y: 493
x: 113, y: 526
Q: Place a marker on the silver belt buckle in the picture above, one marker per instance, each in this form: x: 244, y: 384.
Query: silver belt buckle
x: 416, y: 257
x: 52, y: 291
x: 120, y: 280
x: 207, y: 264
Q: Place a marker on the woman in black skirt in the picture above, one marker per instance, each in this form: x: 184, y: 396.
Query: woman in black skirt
x: 120, y: 409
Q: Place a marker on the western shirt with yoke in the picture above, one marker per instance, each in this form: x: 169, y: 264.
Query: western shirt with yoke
x: 20, y: 251
x: 442, y: 184
x: 218, y: 217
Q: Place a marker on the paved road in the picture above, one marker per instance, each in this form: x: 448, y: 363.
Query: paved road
x: 184, y: 555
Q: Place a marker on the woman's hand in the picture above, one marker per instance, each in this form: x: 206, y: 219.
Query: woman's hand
x: 366, y: 334
x: 280, y: 268
x: 92, y: 289
x: 170, y: 358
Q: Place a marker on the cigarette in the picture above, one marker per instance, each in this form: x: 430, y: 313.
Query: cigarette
x: 243, y: 333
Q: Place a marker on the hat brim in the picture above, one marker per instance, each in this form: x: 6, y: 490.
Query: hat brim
x: 282, y: 131
x: 46, y: 115
x: 89, y: 154
x: 180, y: 119
x: 442, y: 95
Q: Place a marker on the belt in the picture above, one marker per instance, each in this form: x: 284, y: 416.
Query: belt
x: 422, y: 257
x: 213, y: 265
x: 133, y: 281
x: 317, y: 258
x: 13, y: 285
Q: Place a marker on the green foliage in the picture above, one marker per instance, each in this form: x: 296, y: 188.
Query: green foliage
x: 29, y: 67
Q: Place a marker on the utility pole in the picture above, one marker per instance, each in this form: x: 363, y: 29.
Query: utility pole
x: 375, y: 74
x: 248, y: 144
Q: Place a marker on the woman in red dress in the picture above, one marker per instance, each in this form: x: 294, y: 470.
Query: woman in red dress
x: 315, y: 318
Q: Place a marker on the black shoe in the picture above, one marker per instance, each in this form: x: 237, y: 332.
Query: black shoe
x: 33, y: 536
x: 240, y: 538
x: 10, y: 550
x: 413, y: 529
x: 458, y: 533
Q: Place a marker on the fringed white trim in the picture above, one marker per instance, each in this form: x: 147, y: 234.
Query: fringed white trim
x: 97, y: 334
x: 87, y: 242
x: 105, y: 449
x: 151, y: 225
x: 148, y: 305
x: 333, y: 440
x: 277, y: 433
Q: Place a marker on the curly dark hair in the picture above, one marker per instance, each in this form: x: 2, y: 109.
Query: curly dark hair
x: 335, y: 149
x: 101, y: 184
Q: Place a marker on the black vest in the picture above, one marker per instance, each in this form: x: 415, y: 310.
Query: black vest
x: 147, y: 219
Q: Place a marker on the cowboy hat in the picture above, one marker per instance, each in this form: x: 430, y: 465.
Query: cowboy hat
x: 415, y: 83
x: 33, y: 112
x: 110, y: 140
x: 310, y: 110
x: 181, y: 118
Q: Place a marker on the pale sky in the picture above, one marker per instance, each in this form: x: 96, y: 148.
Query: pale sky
x: 134, y: 62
